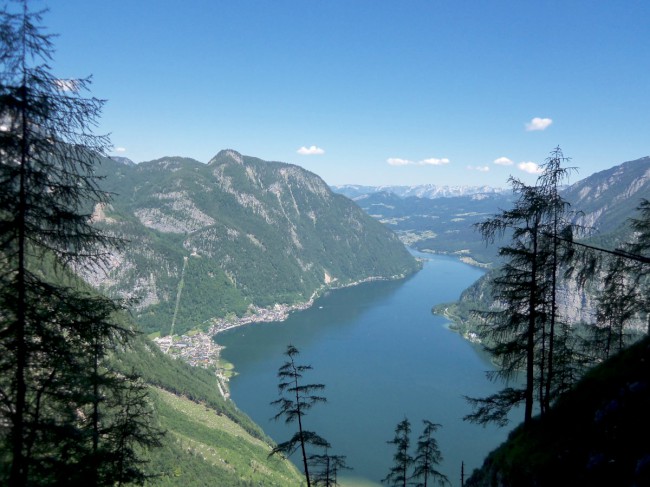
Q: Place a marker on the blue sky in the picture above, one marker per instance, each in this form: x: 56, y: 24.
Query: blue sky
x: 373, y: 91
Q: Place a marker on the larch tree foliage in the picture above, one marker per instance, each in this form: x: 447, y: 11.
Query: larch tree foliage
x: 428, y: 457
x: 65, y: 417
x: 524, y: 332
x: 326, y: 467
x: 296, y: 399
x: 557, y: 346
x: 398, y: 476
x: 511, y: 331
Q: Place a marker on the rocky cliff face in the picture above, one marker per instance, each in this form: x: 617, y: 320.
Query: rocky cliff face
x: 231, y: 235
x: 607, y: 198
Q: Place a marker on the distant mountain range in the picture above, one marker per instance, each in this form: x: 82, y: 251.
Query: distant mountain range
x: 354, y: 191
x: 442, y: 225
x: 602, y: 201
x: 231, y: 236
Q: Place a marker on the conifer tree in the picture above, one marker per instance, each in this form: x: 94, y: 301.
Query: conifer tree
x: 327, y: 468
x: 402, y: 459
x: 524, y: 331
x: 554, y: 340
x: 512, y: 330
x: 427, y: 457
x: 55, y: 334
x: 294, y: 402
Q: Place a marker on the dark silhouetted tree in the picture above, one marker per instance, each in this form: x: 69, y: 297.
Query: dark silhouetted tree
x: 294, y: 402
x: 55, y: 334
x: 512, y: 329
x: 554, y: 342
x: 326, y: 467
x: 523, y: 331
x: 428, y: 457
x: 402, y: 459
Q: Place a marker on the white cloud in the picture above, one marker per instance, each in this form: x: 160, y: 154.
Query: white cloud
x: 479, y: 168
x: 67, y: 84
x: 530, y: 167
x: 538, y: 124
x: 119, y: 149
x: 310, y: 151
x: 396, y: 161
x: 434, y: 162
x: 503, y: 161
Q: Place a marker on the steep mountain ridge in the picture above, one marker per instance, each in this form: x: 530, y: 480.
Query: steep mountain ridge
x: 607, y: 198
x: 234, y: 235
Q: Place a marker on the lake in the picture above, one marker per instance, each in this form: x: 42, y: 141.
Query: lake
x: 382, y: 355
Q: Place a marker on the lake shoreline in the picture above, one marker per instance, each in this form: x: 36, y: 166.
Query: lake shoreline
x: 202, y: 350
x: 362, y: 345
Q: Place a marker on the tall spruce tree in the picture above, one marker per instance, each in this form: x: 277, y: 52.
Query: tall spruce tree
x: 58, y: 397
x: 295, y: 400
x: 556, y: 344
x: 511, y: 331
x: 523, y: 332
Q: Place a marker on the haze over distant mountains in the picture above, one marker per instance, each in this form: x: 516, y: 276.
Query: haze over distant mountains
x: 355, y: 191
x: 445, y: 223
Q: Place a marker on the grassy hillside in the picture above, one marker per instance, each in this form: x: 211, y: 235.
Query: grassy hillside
x: 208, y: 440
x: 203, y: 447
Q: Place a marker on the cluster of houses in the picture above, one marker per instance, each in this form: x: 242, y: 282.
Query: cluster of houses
x: 198, y: 349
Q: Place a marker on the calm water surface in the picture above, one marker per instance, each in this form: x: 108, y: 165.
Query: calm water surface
x: 382, y: 356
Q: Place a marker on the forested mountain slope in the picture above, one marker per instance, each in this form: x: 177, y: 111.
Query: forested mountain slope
x: 234, y: 234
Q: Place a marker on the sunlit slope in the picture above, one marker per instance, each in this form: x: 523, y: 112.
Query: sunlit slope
x: 251, y: 232
x: 208, y: 441
x: 203, y: 447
